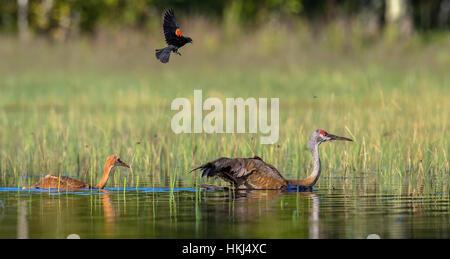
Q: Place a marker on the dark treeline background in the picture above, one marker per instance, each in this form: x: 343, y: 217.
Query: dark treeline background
x: 74, y: 17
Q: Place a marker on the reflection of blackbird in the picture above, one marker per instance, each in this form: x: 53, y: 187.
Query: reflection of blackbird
x: 173, y: 37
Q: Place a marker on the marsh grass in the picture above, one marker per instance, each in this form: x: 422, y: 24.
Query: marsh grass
x: 64, y: 108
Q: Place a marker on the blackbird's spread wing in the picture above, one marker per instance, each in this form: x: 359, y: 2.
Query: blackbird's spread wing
x: 170, y: 28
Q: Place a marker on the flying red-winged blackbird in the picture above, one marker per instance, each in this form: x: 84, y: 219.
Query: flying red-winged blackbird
x: 173, y: 37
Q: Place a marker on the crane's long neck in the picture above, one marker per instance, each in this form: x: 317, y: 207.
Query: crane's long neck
x: 106, y: 171
x: 314, y: 176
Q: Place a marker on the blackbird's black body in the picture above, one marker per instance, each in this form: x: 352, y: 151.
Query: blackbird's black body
x: 173, y: 36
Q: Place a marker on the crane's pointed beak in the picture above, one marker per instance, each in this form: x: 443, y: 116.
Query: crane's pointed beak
x: 123, y: 164
x: 334, y: 137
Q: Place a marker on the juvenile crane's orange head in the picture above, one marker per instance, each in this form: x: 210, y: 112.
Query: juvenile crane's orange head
x: 114, y: 160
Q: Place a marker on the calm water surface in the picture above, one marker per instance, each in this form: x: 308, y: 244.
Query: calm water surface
x: 336, y: 212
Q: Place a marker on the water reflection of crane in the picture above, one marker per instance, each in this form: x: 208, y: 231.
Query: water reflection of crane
x: 255, y: 207
x: 109, y: 214
x: 254, y: 173
x: 23, y: 208
x: 314, y: 226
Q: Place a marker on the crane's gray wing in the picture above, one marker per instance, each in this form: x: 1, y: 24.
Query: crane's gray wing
x: 251, y: 172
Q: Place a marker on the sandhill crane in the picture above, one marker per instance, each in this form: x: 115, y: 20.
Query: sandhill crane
x: 254, y: 173
x: 63, y: 182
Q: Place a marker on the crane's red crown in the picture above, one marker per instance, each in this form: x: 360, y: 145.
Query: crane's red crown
x: 323, y: 132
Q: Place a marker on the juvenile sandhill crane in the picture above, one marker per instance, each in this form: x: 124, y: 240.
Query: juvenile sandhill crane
x: 254, y: 173
x: 66, y: 183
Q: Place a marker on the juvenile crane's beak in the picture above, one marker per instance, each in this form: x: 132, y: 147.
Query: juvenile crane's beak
x: 120, y: 163
x: 334, y: 137
x: 124, y: 164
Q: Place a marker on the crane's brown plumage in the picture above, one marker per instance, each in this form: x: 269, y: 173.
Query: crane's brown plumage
x: 59, y: 182
x: 66, y: 183
x: 254, y: 173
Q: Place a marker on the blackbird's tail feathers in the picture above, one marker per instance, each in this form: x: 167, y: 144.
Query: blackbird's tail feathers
x: 164, y: 54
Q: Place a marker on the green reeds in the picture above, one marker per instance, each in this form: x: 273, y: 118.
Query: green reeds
x: 395, y: 110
